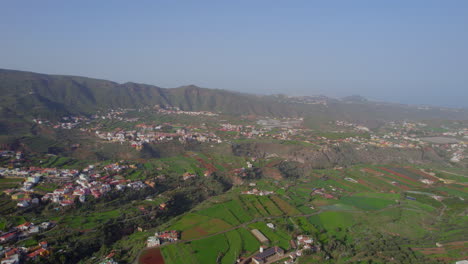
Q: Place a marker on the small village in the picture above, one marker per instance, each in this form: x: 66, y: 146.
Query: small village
x: 401, y: 135
x: 73, y: 184
x: 137, y: 138
x: 15, y: 255
x: 63, y: 189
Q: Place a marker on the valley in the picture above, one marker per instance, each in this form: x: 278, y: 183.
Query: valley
x: 168, y: 176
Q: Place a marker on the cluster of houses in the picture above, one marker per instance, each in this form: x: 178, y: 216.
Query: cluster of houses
x: 138, y: 138
x: 302, y: 243
x: 116, y: 114
x: 32, y: 176
x: 322, y: 192
x: 160, y: 238
x: 178, y: 111
x: 267, y: 255
x: 23, y: 231
x: 272, y: 254
x: 67, y: 122
x: 72, y: 183
x: 257, y: 192
x: 93, y: 184
x: 11, y: 154
x: 458, y: 151
x: 17, y: 255
x: 39, y: 173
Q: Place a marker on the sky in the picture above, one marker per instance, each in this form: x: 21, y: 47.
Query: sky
x: 407, y: 51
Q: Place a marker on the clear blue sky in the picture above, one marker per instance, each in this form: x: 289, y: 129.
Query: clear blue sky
x: 410, y: 51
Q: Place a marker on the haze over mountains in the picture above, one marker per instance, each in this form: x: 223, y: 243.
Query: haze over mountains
x: 52, y: 96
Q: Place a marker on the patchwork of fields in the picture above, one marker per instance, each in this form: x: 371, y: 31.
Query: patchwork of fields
x: 358, y: 199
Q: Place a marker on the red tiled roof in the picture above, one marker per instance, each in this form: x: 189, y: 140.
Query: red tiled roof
x: 36, y: 253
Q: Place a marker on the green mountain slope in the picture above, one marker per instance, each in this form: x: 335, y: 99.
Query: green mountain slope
x: 42, y: 95
x: 50, y: 95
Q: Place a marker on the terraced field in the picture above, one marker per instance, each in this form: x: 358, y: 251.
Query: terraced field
x: 376, y: 200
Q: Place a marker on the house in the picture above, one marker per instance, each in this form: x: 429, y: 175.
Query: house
x: 46, y: 225
x: 169, y: 236
x: 13, y: 259
x: 8, y: 237
x: 42, y: 252
x: 43, y: 244
x: 25, y: 226
x: 304, y: 240
x: 23, y: 204
x: 153, y: 241
x: 34, y: 230
x: 67, y: 202
x: 12, y: 252
x: 267, y: 255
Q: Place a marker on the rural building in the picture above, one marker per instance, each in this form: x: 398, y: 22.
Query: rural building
x: 153, y: 241
x: 261, y: 237
x: 266, y: 255
x: 304, y: 240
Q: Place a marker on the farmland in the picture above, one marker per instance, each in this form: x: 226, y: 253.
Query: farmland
x: 219, y: 230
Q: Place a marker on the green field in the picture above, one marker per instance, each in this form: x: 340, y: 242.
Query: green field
x: 196, y: 226
x: 364, y: 207
x: 276, y: 236
x: 88, y: 221
x: 225, y: 247
x: 366, y: 203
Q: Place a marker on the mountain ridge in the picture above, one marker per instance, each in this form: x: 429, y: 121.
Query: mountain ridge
x: 51, y: 96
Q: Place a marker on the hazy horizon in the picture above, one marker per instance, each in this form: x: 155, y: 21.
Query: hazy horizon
x: 406, y: 52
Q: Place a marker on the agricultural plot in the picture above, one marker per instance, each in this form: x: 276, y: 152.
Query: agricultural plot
x: 269, y: 206
x: 7, y: 183
x: 232, y: 212
x: 423, y: 174
x: 408, y: 172
x: 366, y: 203
x: 222, y: 248
x: 400, y: 183
x: 254, y: 205
x: 221, y: 211
x: 369, y: 203
x: 90, y: 221
x: 152, y: 256
x: 453, y: 191
x: 330, y: 221
x: 380, y: 184
x: 284, y: 206
x: 205, y: 228
x: 234, y: 240
x: 304, y: 225
x: 249, y: 242
x: 178, y: 254
x: 276, y: 236
x: 211, y: 249
x: 400, y: 221
x: 188, y: 221
x: 402, y: 178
